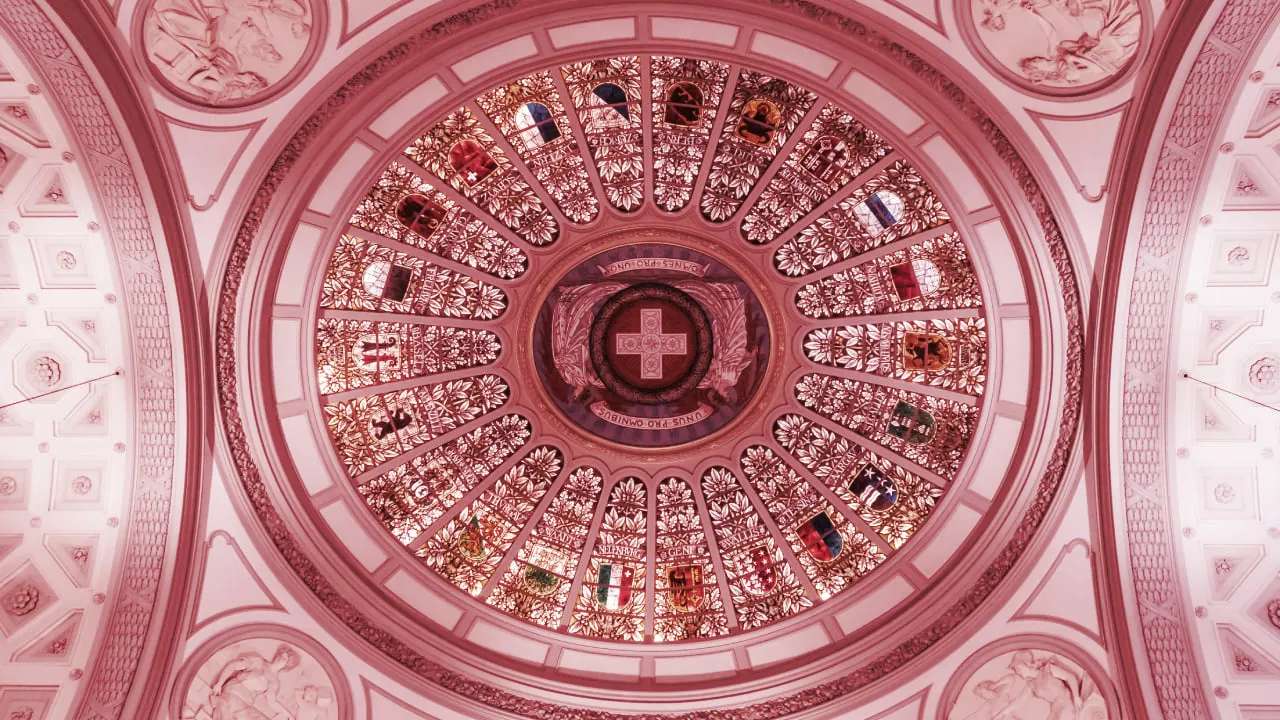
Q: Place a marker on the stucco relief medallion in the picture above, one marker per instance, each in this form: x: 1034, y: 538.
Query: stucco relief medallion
x: 1055, y: 47
x: 1026, y: 680
x: 263, y: 673
x: 228, y: 53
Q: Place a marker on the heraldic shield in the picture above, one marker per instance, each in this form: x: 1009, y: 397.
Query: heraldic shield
x: 539, y: 578
x: 613, y: 588
x: 925, y: 351
x: 763, y: 575
x: 820, y: 537
x: 874, y: 488
x: 684, y: 587
x: 911, y: 423
x: 472, y: 542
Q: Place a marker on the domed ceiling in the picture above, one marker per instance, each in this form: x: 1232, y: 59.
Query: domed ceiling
x: 641, y: 375
x: 639, y: 256
x: 586, y: 361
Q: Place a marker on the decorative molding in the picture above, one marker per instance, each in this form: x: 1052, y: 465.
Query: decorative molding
x: 268, y: 600
x: 124, y: 213
x: 227, y: 348
x: 1143, y: 495
x: 901, y: 711
x: 1114, y: 117
x: 249, y: 132
x: 1027, y: 611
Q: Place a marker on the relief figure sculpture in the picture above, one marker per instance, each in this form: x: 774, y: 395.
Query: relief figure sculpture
x: 225, y: 52
x: 1030, y: 685
x: 260, y: 679
x: 1060, y: 43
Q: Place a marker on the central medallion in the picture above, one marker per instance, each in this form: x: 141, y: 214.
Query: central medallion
x: 651, y: 345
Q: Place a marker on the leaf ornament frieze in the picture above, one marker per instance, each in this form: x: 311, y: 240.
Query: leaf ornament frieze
x: 461, y: 152
x: 894, y: 204
x: 370, y: 430
x: 607, y: 96
x: 364, y: 275
x: 833, y: 552
x: 424, y: 364
x: 531, y: 116
x: 468, y: 550
x: 402, y: 206
x: 935, y: 274
x: 537, y: 584
x: 409, y: 498
x: 833, y: 150
x: 685, y: 95
x: 762, y: 113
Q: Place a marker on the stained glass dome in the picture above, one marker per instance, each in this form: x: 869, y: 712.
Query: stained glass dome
x: 641, y: 261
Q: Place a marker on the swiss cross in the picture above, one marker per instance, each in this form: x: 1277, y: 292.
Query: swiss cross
x: 651, y: 344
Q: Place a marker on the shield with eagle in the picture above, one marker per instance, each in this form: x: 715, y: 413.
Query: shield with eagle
x: 684, y: 587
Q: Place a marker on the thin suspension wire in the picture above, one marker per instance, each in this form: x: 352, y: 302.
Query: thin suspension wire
x: 58, y: 390
x: 1233, y: 394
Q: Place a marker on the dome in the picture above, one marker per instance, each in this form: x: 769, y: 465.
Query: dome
x: 669, y: 306
x: 631, y: 357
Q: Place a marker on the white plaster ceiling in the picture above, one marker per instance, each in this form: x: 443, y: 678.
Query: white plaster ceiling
x: 65, y: 460
x: 1223, y: 442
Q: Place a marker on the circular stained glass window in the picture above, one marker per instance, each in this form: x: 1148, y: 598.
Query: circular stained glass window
x: 721, y: 278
